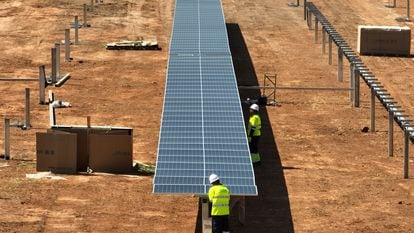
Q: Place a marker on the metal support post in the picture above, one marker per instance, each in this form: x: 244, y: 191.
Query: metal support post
x: 356, y: 87
x: 406, y: 153
x: 54, y: 70
x: 76, y: 30
x: 340, y: 61
x: 88, y: 121
x: 407, y: 18
x: 323, y: 39
x: 57, y: 46
x: 27, y: 110
x: 304, y: 10
x: 85, y: 24
x: 52, y: 118
x: 42, y: 84
x: 351, y: 81
x: 206, y: 219
x: 62, y: 80
x: 6, y: 138
x: 310, y: 19
x: 316, y: 30
x: 330, y: 50
x: 67, y: 45
x: 372, y: 110
x: 390, y: 133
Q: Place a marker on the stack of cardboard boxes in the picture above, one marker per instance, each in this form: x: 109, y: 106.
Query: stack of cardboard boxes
x: 72, y: 149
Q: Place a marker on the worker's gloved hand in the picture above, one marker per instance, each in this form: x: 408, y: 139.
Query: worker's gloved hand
x: 249, y: 139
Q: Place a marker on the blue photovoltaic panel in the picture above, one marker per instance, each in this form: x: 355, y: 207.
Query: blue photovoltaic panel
x: 202, y: 130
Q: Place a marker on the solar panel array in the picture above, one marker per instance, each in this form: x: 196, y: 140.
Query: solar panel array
x: 202, y: 129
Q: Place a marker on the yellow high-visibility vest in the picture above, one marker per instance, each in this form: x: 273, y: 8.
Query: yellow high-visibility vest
x: 219, y: 196
x: 255, y: 123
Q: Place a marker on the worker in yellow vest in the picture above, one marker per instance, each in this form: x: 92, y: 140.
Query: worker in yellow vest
x: 253, y: 133
x: 219, y: 196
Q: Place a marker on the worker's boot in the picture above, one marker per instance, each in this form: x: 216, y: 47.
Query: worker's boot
x: 255, y: 158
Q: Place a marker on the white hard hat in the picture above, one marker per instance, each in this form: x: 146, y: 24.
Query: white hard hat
x: 213, y: 177
x: 254, y: 107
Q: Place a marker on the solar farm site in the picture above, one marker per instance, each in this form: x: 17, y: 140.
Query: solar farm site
x: 333, y: 159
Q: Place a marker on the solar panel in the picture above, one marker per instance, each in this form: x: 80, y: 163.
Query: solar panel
x: 202, y: 129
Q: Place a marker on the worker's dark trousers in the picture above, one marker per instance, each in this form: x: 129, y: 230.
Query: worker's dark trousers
x: 254, y: 145
x: 254, y: 149
x: 220, y: 223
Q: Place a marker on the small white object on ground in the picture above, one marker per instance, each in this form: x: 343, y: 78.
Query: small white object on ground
x: 47, y: 175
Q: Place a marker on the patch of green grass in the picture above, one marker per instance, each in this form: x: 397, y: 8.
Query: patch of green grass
x: 144, y: 169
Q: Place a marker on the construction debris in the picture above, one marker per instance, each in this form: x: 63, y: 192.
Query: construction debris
x: 61, y: 104
x: 140, y: 44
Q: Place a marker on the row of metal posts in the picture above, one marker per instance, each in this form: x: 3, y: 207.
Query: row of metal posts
x: 408, y: 5
x: 25, y: 125
x: 55, y: 58
x: 43, y: 82
x: 357, y: 70
x: 343, y: 48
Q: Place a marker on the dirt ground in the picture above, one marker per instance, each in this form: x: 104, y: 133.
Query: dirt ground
x: 319, y: 172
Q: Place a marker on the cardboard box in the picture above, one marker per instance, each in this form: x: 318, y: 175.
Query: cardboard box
x: 384, y: 40
x: 56, y: 152
x: 82, y: 147
x: 110, y: 153
x: 103, y: 149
